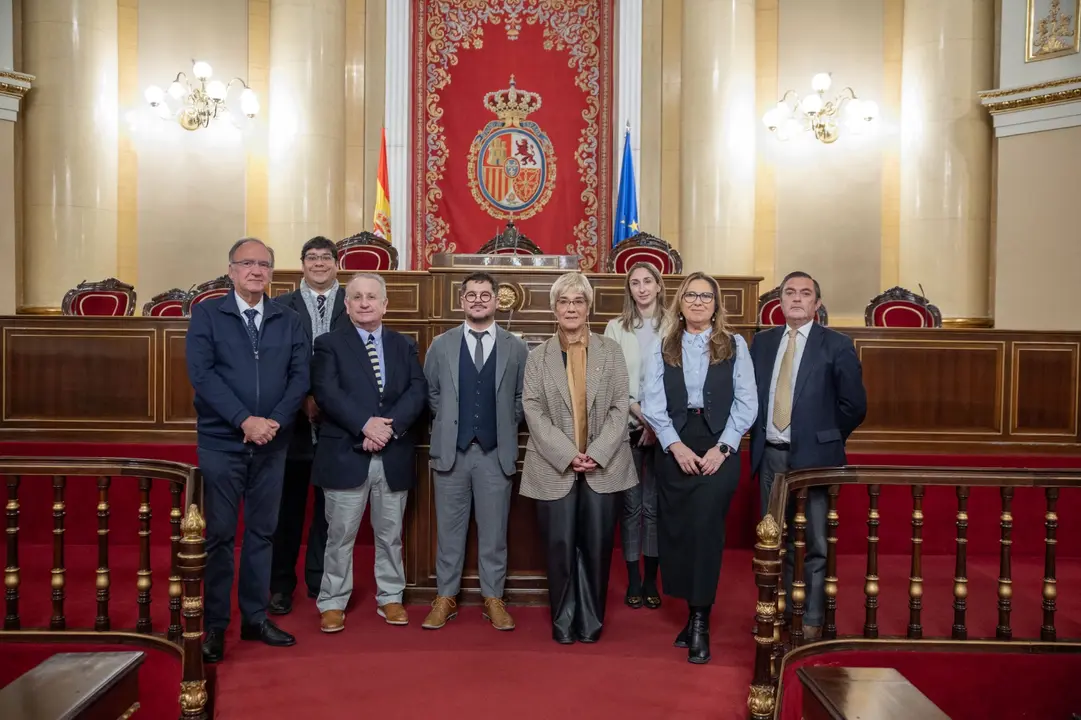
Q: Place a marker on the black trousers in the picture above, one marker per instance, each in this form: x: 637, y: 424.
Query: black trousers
x: 691, y: 518
x: 578, y: 531
x: 288, y: 536
x: 229, y: 478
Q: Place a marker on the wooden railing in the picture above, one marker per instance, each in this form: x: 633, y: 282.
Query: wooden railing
x: 775, y: 637
x: 187, y: 555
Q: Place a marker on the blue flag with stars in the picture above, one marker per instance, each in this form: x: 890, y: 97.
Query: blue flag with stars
x: 626, y: 219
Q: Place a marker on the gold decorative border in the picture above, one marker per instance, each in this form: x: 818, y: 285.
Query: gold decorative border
x: 15, y: 84
x: 1076, y: 80
x: 1055, y: 98
x: 1030, y: 18
x: 977, y: 323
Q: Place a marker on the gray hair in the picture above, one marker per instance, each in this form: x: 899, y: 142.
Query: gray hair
x: 568, y: 283
x: 244, y: 241
x: 369, y: 276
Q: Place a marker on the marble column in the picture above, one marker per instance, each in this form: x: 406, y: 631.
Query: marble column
x: 717, y: 145
x: 70, y: 147
x: 946, y: 154
x: 306, y: 143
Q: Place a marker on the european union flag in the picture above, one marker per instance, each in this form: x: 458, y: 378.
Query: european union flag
x: 626, y: 220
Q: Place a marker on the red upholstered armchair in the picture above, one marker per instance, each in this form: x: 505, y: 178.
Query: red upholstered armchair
x: 769, y: 310
x: 168, y: 304
x: 366, y: 251
x: 643, y: 247
x: 901, y: 308
x: 205, y: 291
x: 509, y: 242
x: 108, y: 298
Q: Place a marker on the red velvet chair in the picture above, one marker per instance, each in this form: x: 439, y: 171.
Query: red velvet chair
x: 900, y: 308
x: 643, y: 247
x: 769, y: 310
x: 168, y: 304
x: 366, y: 251
x: 509, y: 242
x: 206, y: 291
x: 107, y: 298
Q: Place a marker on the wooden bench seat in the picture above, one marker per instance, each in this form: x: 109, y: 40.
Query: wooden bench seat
x: 76, y: 686
x: 840, y: 693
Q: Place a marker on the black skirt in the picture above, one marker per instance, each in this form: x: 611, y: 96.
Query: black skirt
x: 691, y: 518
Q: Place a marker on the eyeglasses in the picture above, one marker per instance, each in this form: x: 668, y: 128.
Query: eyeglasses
x: 319, y: 258
x: 576, y: 302
x: 473, y: 297
x: 249, y: 264
x: 692, y: 297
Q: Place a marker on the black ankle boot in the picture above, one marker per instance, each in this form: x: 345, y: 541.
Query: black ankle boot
x: 683, y: 640
x: 698, y: 652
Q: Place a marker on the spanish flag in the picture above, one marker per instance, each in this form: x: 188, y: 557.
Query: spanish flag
x: 381, y: 221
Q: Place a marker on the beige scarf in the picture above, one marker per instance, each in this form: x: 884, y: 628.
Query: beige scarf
x: 576, y: 383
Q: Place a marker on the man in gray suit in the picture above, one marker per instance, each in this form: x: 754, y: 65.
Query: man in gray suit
x: 474, y: 375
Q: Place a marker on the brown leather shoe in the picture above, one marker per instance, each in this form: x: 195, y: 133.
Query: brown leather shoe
x: 443, y: 609
x: 394, y: 613
x: 332, y: 621
x: 495, y: 610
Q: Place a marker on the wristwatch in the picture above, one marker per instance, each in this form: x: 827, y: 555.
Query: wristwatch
x: 725, y: 450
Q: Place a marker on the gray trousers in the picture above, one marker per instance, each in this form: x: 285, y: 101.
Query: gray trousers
x: 344, y: 511
x: 476, y: 479
x: 814, y: 562
x: 638, y: 524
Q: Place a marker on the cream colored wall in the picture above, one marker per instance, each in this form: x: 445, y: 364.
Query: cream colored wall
x: 1038, y: 249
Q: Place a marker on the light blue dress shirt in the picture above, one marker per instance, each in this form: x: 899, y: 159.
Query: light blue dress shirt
x: 695, y: 366
x: 378, y: 334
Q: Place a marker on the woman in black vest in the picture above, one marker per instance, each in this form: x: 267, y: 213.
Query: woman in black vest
x: 700, y: 397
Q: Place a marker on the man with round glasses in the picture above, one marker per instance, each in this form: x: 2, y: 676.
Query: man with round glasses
x: 474, y: 374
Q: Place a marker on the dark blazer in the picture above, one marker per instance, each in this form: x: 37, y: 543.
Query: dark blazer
x: 301, y: 446
x: 232, y: 384
x: 346, y: 390
x: 828, y: 401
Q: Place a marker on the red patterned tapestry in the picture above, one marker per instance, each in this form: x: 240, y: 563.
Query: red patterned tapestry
x: 512, y: 121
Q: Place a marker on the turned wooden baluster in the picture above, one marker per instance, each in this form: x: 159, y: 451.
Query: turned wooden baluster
x: 833, y: 520
x: 799, y: 584
x: 192, y: 563
x: 1050, y: 585
x: 101, y: 622
x: 1005, y: 581
x: 767, y: 571
x: 176, y: 590
x: 11, y: 568
x: 57, y: 621
x: 915, y: 577
x: 144, y: 583
x: 870, y: 585
x: 960, y: 573
x: 782, y: 604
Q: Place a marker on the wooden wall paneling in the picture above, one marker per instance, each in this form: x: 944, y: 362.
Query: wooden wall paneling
x: 1045, y: 389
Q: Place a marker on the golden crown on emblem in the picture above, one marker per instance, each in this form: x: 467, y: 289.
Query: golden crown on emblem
x: 512, y: 105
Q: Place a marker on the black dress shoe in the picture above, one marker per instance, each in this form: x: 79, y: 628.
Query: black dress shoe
x: 280, y: 604
x: 268, y: 633
x: 698, y: 652
x: 589, y: 639
x: 633, y: 598
x: 563, y: 638
x: 683, y: 640
x: 653, y: 598
x: 214, y: 646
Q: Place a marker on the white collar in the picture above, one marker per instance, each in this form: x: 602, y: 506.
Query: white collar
x: 804, y: 330
x: 490, y: 330
x: 242, y: 305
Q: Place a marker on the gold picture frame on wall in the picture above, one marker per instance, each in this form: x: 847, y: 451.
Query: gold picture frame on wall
x: 1052, y: 29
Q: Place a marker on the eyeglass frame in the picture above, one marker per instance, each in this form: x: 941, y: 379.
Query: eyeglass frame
x: 478, y: 296
x: 691, y: 297
x: 249, y: 264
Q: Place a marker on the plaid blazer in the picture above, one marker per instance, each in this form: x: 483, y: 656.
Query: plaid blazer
x: 547, y: 474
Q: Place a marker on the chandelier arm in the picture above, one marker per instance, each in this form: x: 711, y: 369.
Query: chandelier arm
x: 787, y: 93
x: 237, y: 80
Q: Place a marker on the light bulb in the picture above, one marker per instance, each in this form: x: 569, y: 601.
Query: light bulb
x: 249, y: 102
x: 869, y: 110
x: 771, y: 119
x: 176, y: 90
x: 854, y: 109
x: 821, y: 82
x: 810, y: 104
x: 784, y: 110
x: 153, y: 95
x: 216, y: 90
x: 202, y: 70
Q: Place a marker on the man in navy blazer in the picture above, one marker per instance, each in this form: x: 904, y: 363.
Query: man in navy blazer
x: 248, y: 363
x: 810, y: 389
x: 370, y: 388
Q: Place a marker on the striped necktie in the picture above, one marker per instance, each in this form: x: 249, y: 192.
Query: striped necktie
x: 373, y: 355
x: 321, y: 305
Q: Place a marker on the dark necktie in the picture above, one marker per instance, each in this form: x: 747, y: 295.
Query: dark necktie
x: 478, y: 354
x: 321, y: 306
x: 373, y: 355
x: 253, y: 332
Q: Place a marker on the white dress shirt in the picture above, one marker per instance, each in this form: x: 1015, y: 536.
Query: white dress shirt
x: 487, y: 340
x: 773, y: 435
x: 243, y: 305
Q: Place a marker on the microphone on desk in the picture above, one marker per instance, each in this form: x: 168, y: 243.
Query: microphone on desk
x: 920, y: 286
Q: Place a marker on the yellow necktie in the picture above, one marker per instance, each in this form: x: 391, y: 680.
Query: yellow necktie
x: 782, y: 398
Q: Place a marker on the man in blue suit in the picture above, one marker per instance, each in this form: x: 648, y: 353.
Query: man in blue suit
x: 248, y: 362
x: 810, y: 387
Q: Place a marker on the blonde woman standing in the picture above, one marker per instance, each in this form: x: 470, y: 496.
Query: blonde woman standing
x: 636, y: 330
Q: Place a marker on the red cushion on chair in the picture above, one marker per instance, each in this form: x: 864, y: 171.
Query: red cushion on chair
x: 901, y: 314
x: 167, y: 308
x: 625, y: 259
x: 364, y: 258
x: 101, y: 303
x: 208, y: 294
x: 771, y: 314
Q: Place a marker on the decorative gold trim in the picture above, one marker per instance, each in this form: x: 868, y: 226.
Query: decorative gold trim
x: 1055, y: 98
x: 972, y: 322
x: 129, y: 712
x: 1019, y: 346
x: 15, y: 84
x: 34, y: 310
x: 769, y: 533
x: 761, y: 700
x: 1003, y: 92
x: 193, y: 524
x: 192, y: 695
x: 1052, y: 27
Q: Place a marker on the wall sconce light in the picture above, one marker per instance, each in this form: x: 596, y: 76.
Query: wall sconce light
x: 813, y: 113
x: 194, y: 106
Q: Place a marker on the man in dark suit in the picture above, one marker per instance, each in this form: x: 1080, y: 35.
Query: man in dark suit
x: 320, y: 303
x: 810, y: 386
x: 248, y: 363
x: 370, y: 388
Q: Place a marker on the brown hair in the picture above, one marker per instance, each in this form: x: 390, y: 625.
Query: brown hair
x: 721, y: 344
x: 631, y: 318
